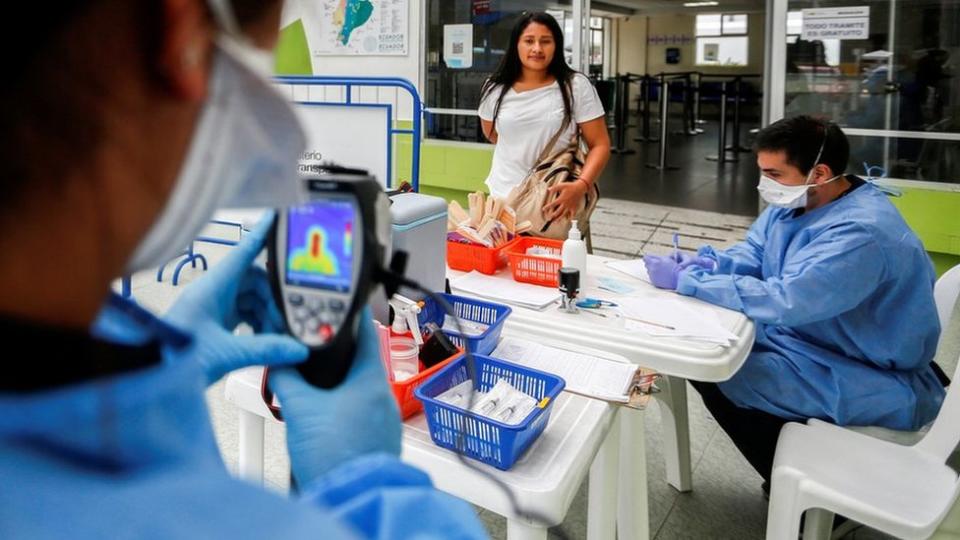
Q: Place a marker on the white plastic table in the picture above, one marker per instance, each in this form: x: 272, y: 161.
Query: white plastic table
x: 677, y: 359
x: 581, y: 436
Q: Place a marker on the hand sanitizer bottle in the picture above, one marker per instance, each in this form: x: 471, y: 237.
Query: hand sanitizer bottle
x: 574, y: 252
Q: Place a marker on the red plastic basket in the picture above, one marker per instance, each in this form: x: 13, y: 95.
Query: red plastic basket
x: 535, y: 269
x: 403, y: 390
x: 468, y: 257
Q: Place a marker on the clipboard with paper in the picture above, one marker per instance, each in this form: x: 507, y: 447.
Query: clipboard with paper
x: 588, y: 375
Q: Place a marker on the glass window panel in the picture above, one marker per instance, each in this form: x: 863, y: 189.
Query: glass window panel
x: 454, y: 127
x: 722, y: 51
x: 708, y: 25
x: 568, y: 37
x: 901, y: 78
x: 734, y: 25
x: 596, y: 47
x: 911, y: 159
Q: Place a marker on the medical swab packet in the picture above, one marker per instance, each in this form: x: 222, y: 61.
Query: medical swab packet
x: 541, y: 251
x: 489, y: 401
x: 514, y: 408
x: 505, y: 404
x: 460, y: 395
x: 470, y: 328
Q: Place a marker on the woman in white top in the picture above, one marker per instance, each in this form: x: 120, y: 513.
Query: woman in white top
x: 531, y: 96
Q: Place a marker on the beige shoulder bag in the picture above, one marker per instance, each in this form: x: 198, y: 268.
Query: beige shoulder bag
x: 529, y: 198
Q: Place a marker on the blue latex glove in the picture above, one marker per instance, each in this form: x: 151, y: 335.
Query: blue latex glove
x: 663, y: 270
x: 326, y: 428
x: 232, y: 292
x: 687, y: 260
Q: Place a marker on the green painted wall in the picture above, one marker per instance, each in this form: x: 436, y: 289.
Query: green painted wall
x: 450, y: 166
x: 447, y: 169
x: 944, y: 261
x: 935, y: 217
x: 293, y: 55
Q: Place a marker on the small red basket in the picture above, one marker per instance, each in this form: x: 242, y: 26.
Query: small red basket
x: 536, y: 269
x: 403, y: 390
x: 469, y: 257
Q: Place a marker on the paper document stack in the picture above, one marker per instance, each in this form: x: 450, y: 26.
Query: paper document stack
x: 584, y: 374
x: 671, y: 317
x: 634, y: 268
x: 506, y: 290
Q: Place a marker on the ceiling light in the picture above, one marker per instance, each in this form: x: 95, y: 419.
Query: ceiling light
x: 700, y: 4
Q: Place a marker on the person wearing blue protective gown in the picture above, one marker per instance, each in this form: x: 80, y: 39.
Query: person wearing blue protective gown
x: 133, y: 454
x: 104, y: 427
x: 840, y: 289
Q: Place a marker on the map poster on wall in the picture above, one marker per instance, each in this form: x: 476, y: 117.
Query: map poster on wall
x: 356, y: 27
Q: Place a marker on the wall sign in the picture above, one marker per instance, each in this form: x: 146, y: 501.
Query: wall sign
x: 672, y: 39
x: 673, y: 55
x: 836, y: 23
x: 458, y: 45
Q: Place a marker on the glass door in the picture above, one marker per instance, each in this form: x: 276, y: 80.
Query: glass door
x: 886, y: 71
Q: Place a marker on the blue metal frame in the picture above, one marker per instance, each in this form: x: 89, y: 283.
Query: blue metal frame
x: 190, y: 256
x: 382, y: 82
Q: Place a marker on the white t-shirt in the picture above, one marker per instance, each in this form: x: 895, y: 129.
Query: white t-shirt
x: 526, y: 122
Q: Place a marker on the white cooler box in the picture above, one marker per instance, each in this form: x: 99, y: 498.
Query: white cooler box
x: 420, y: 229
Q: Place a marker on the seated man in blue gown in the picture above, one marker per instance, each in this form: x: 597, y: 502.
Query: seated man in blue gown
x: 841, y: 291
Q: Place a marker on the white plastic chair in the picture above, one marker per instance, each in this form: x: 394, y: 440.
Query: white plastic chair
x: 823, y: 469
x: 945, y: 294
x: 902, y: 490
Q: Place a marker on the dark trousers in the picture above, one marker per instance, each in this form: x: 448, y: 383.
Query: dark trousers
x: 754, y: 432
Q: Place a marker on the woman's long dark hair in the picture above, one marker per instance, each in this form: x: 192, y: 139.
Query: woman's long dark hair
x: 510, y: 66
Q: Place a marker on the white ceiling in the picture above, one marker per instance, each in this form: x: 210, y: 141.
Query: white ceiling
x: 659, y: 6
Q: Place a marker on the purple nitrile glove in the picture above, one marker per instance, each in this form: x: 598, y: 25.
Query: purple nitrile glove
x: 663, y: 271
x: 706, y: 263
x: 682, y: 257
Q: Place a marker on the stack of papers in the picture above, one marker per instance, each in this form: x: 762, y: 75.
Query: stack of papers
x: 670, y: 317
x: 505, y: 290
x: 584, y: 374
x: 634, y: 268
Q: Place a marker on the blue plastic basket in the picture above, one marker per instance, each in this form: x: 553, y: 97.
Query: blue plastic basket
x: 479, y: 437
x: 469, y: 309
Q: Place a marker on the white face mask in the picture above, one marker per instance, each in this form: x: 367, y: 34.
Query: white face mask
x: 790, y: 197
x: 243, y: 153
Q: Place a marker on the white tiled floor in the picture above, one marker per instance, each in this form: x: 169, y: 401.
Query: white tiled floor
x: 625, y: 229
x: 726, y: 501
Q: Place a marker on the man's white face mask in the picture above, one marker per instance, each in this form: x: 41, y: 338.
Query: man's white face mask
x: 782, y: 196
x: 243, y: 153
